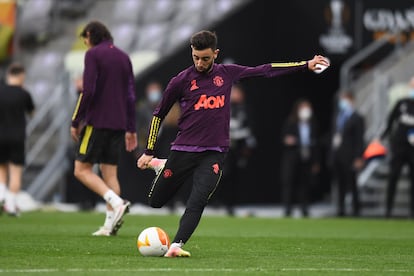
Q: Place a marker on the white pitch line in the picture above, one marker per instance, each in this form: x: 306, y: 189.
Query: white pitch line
x: 347, y: 270
x: 309, y: 269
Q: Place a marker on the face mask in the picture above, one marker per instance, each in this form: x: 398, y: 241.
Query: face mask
x: 305, y: 114
x: 154, y: 96
x: 344, y: 105
x: 411, y: 93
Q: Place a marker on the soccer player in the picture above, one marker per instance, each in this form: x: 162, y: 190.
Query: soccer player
x: 15, y: 104
x: 103, y: 117
x: 198, y: 152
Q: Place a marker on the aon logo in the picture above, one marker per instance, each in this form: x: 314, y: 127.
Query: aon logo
x: 209, y: 102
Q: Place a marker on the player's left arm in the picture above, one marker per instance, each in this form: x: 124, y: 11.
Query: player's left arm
x: 90, y: 75
x: 318, y: 63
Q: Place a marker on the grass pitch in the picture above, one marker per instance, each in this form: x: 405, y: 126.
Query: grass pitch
x: 54, y: 243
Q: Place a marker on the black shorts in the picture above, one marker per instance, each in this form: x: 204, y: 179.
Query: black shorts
x: 202, y: 169
x: 13, y: 152
x: 101, y: 146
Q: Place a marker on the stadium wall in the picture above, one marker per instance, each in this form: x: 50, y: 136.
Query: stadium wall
x: 272, y: 31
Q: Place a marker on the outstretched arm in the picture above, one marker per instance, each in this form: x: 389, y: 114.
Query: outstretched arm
x: 317, y: 64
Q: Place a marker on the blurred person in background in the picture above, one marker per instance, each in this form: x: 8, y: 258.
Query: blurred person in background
x: 167, y: 133
x: 242, y: 144
x: 398, y: 91
x: 198, y: 152
x: 15, y: 104
x: 400, y: 130
x: 104, y: 121
x: 347, y: 151
x: 144, y: 110
x: 300, y: 162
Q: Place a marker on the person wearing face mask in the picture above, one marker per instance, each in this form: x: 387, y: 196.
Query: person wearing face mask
x: 300, y: 162
x: 400, y: 130
x: 145, y: 108
x: 242, y: 146
x: 149, y: 98
x: 347, y: 151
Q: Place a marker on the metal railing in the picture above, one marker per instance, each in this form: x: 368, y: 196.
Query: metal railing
x: 372, y: 91
x: 50, y: 126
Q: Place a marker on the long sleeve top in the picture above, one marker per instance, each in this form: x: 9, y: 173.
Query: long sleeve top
x: 205, y: 103
x: 108, y: 96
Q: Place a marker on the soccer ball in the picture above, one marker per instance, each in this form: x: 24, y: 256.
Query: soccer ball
x: 153, y: 241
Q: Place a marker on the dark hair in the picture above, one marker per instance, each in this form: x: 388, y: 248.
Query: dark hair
x: 203, y: 40
x: 347, y: 94
x: 293, y: 116
x: 15, y: 69
x: 96, y: 32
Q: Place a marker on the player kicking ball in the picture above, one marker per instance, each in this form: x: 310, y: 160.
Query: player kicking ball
x: 199, y: 149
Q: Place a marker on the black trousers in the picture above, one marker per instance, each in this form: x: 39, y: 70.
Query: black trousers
x: 401, y: 156
x: 297, y: 180
x: 203, y: 170
x: 346, y: 178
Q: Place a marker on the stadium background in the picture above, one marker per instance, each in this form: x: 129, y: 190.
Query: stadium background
x: 270, y: 31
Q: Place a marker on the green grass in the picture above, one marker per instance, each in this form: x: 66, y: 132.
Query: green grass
x: 54, y: 243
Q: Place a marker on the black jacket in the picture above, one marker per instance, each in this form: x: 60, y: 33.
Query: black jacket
x: 291, y: 127
x: 352, y: 139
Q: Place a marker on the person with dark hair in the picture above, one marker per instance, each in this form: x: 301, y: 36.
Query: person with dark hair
x: 300, y: 160
x: 96, y: 32
x: 76, y: 192
x: 103, y: 120
x: 15, y: 103
x: 347, y: 151
x: 199, y: 149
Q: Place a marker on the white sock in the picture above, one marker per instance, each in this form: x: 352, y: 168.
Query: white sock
x: 113, y: 199
x: 177, y: 244
x: 10, y: 202
x: 3, y: 189
x: 109, y: 218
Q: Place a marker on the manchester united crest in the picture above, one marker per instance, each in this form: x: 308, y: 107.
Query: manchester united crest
x: 218, y: 81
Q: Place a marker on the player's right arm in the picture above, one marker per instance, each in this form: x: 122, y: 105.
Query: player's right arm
x: 90, y: 75
x: 148, y: 154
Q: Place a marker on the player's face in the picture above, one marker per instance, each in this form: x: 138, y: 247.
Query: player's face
x: 204, y: 59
